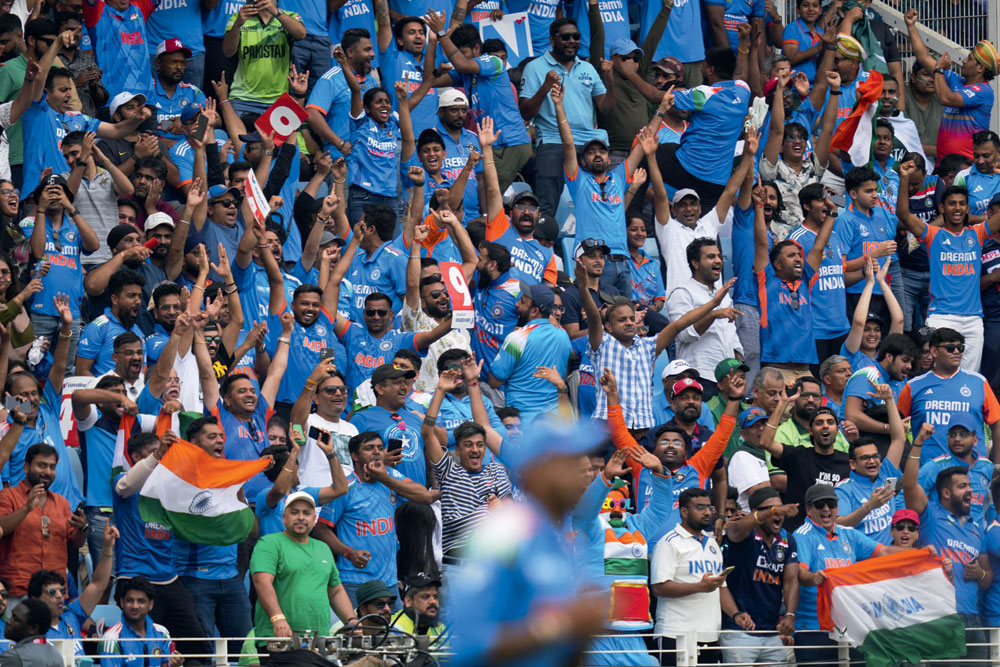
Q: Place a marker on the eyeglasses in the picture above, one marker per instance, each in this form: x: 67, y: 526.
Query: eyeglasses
x: 569, y: 36
x: 908, y: 526
x: 5, y: 273
x: 530, y: 208
x: 810, y: 394
x: 616, y: 504
x: 335, y: 389
x: 253, y: 431
x: 826, y: 503
x: 560, y: 309
x: 59, y: 591
x: 865, y: 458
x: 6, y: 192
x: 951, y: 349
x: 382, y: 602
x: 226, y: 203
x: 372, y: 312
x: 4, y: 594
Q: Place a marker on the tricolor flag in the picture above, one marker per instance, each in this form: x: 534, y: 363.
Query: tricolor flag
x: 197, y: 495
x: 856, y: 133
x: 121, y: 461
x: 896, y: 608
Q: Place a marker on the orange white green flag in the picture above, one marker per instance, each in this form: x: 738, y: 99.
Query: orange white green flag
x: 896, y: 608
x: 197, y: 495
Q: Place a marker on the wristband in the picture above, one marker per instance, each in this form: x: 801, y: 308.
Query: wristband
x: 277, y: 617
x: 184, y: 222
x: 835, y: 92
x: 225, y: 101
x: 830, y: 47
x: 284, y: 339
x: 347, y: 554
x: 330, y: 457
x: 789, y: 613
x: 289, y: 470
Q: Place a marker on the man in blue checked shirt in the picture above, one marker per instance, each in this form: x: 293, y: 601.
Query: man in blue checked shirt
x: 94, y: 354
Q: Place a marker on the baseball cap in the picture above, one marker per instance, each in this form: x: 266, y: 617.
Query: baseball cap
x: 190, y: 111
x: 330, y: 237
x: 300, y: 495
x: 623, y: 47
x: 220, y: 190
x: 390, y: 372
x: 252, y: 138
x: 541, y: 295
x: 751, y: 416
x: 123, y: 98
x: 513, y: 197
x: 370, y: 590
x: 53, y: 179
x: 172, y: 45
x: 420, y: 580
x: 547, y: 229
x: 193, y: 240
x: 118, y: 232
x: 587, y: 246
x: 820, y: 491
x: 452, y: 97
x: 723, y: 368
x: 548, y: 438
x: 685, y: 384
x: 874, y: 317
x: 598, y: 142
x: 966, y: 421
x: 905, y: 515
x: 670, y: 65
x: 682, y: 193
x: 676, y: 367
x: 157, y: 219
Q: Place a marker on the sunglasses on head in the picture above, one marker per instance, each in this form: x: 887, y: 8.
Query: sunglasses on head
x: 826, y: 503
x: 569, y: 36
x: 951, y: 348
x: 908, y: 526
x: 372, y: 312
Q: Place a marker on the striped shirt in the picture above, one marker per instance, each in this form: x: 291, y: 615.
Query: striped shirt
x: 464, y: 497
x: 633, y: 368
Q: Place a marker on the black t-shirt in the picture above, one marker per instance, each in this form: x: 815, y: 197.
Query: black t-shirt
x: 806, y: 467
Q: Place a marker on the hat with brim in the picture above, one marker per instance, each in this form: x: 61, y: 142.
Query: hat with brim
x: 820, y: 492
x: 371, y: 590
x: 390, y: 372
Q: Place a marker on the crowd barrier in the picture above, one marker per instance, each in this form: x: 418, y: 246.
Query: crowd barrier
x: 397, y: 648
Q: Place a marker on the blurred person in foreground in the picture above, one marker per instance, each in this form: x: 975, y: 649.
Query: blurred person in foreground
x: 516, y: 600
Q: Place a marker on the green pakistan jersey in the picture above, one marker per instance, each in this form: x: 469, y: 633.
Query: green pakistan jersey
x: 264, y: 56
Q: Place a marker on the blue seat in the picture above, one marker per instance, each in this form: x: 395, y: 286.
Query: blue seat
x: 652, y: 248
x: 568, y: 244
x: 106, y: 615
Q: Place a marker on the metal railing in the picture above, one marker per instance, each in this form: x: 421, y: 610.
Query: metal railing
x: 687, y: 650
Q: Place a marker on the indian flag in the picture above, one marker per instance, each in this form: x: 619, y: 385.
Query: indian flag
x: 856, y: 133
x: 122, y: 462
x: 897, y: 608
x: 197, y: 495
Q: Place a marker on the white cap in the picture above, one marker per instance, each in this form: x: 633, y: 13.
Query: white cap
x: 676, y: 367
x: 157, y: 219
x: 452, y: 97
x: 682, y: 193
x: 122, y: 98
x: 300, y: 495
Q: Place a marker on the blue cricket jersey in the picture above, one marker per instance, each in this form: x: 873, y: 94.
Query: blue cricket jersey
x: 600, y: 206
x: 490, y: 94
x: 854, y: 491
x: 145, y: 549
x: 786, y: 320
x: 121, y: 44
x: 955, y: 268
x: 383, y: 271
x: 331, y: 97
x: 537, y: 343
x: 707, y: 147
x: 962, y: 540
x: 403, y: 426
x: 828, y: 294
x: 861, y: 234
x: 97, y: 341
x: 304, y: 352
x: 980, y: 474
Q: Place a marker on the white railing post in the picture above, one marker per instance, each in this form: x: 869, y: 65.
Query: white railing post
x: 687, y: 648
x: 221, y: 652
x: 66, y: 649
x: 844, y: 653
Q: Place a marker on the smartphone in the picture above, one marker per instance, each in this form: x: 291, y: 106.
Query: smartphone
x: 297, y: 431
x: 727, y: 571
x: 13, y: 403
x: 891, y: 482
x: 151, y: 243
x: 326, y: 353
x: 839, y: 200
x: 394, y: 444
x: 202, y: 124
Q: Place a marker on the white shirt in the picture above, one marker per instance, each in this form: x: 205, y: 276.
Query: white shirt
x: 674, y: 239
x: 418, y: 320
x: 746, y: 471
x: 680, y: 556
x: 314, y: 469
x: 703, y: 351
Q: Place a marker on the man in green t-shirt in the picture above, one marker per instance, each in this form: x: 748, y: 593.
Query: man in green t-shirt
x: 261, y: 37
x: 11, y: 78
x: 296, y: 578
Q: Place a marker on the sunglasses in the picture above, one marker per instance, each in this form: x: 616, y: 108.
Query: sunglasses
x: 950, y: 349
x: 569, y: 36
x: 436, y: 293
x: 794, y: 294
x: 383, y: 602
x: 336, y: 389
x: 908, y: 526
x: 530, y: 208
x: 253, y: 431
x: 45, y: 527
x: 372, y: 312
x: 592, y: 244
x: 227, y: 203
x: 827, y: 503
x: 56, y: 591
x: 213, y: 339
x: 616, y: 504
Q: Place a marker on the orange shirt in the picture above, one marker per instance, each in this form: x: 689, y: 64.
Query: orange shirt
x: 27, y: 550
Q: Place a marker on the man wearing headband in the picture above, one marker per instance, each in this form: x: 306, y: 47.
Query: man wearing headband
x: 967, y: 98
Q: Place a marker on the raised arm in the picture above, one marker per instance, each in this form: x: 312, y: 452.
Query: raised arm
x: 829, y: 39
x: 471, y: 372
x: 407, y: 142
x: 494, y: 198
x: 767, y: 440
x: 895, y: 312
x: 61, y: 352
x: 206, y: 371
x: 732, y: 188
x: 853, y: 341
x: 916, y: 498
x: 915, y: 225
x: 761, y: 251
x: 352, y: 81
x: 828, y: 121
x: 776, y: 134
x: 815, y: 256
x: 159, y: 374
x: 434, y: 448
x: 565, y: 133
x: 269, y: 388
x: 920, y: 50
x: 670, y: 332
x: 462, y: 63
x: 595, y: 324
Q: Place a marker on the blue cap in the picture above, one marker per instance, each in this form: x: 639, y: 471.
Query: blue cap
x: 623, y: 47
x: 541, y: 295
x: 966, y: 421
x: 550, y: 437
x: 193, y: 240
x: 190, y: 112
x: 751, y: 416
x: 218, y: 190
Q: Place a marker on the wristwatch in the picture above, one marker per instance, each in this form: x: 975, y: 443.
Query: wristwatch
x: 442, y: 34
